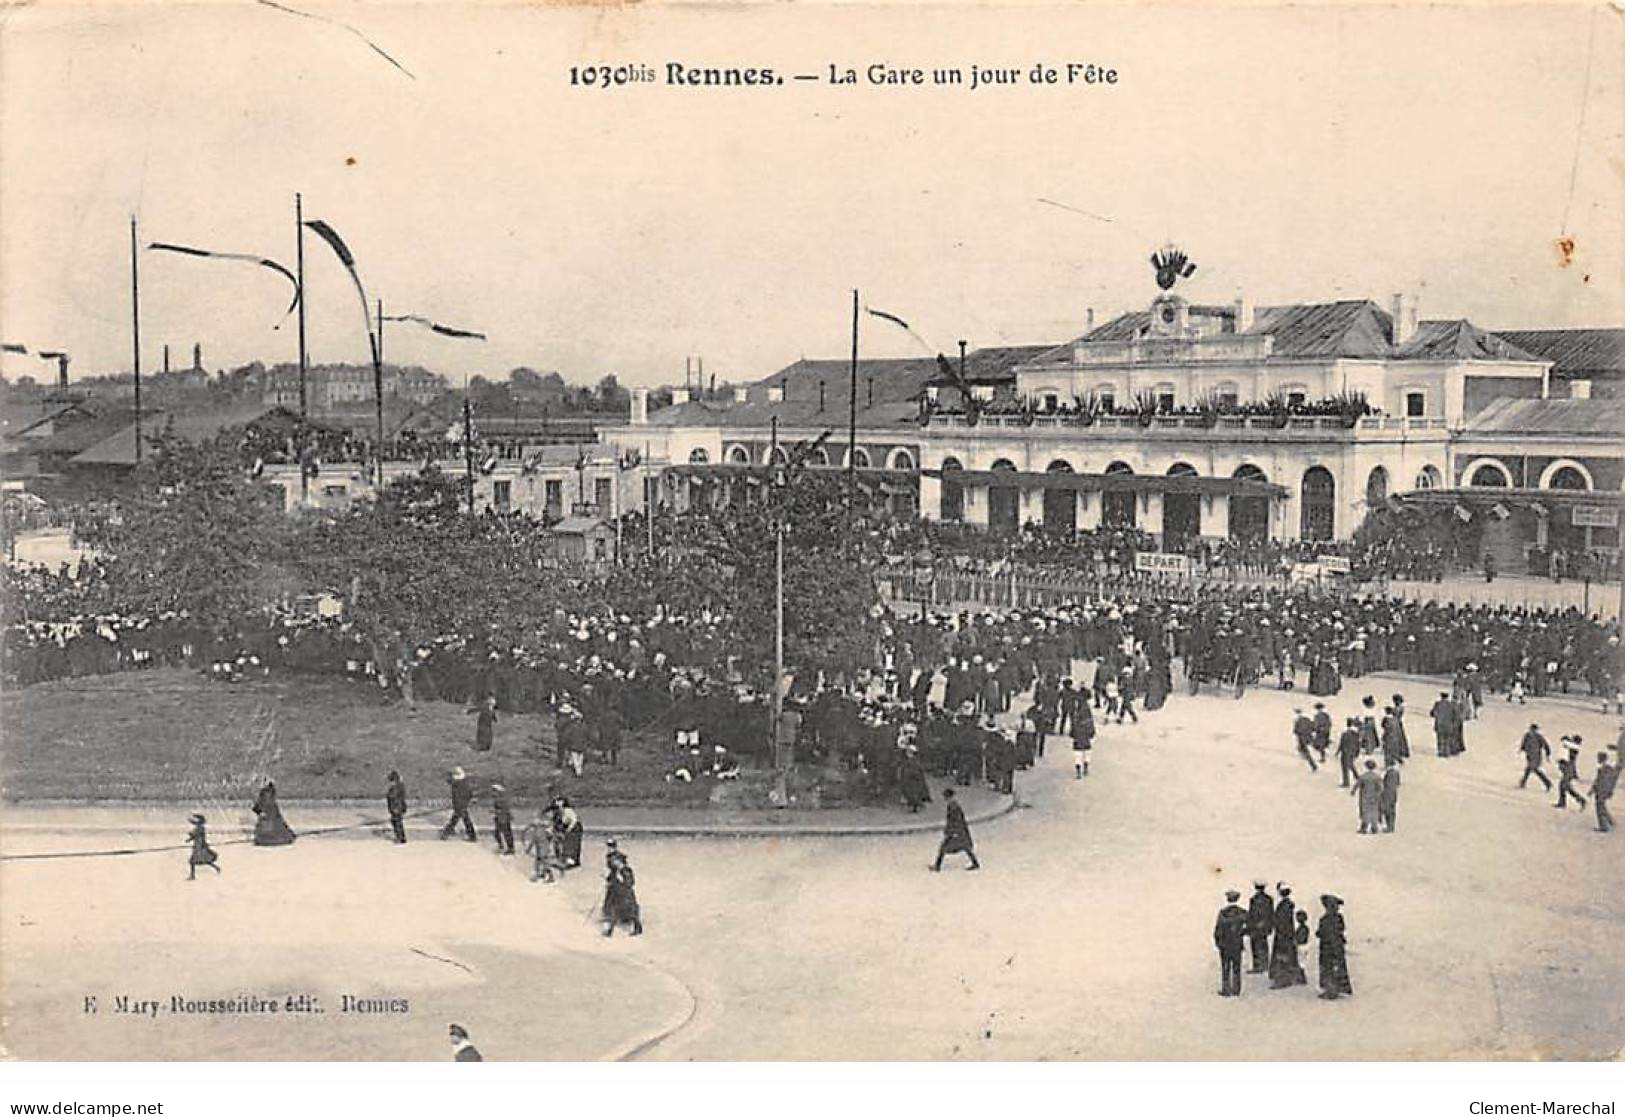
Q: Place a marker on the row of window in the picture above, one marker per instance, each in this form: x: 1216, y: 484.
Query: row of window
x: 739, y: 455
x: 1226, y: 394
x: 1491, y: 473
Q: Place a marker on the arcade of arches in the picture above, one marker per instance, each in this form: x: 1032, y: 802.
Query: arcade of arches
x: 1060, y: 505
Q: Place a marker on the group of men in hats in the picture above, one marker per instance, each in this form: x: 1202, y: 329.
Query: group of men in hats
x: 1536, y: 750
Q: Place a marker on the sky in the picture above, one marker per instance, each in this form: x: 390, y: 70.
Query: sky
x: 1296, y: 153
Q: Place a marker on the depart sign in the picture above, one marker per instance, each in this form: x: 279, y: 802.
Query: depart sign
x: 1154, y: 563
x: 1595, y: 517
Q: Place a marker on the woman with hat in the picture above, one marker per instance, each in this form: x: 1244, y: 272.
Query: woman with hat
x: 1334, y: 962
x: 270, y: 828
x: 201, y: 853
x: 620, y: 894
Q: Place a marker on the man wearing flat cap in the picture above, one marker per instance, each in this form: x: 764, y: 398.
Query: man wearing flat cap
x: 1228, y: 931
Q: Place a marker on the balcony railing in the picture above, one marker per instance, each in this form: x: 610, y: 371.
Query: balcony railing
x: 1223, y: 424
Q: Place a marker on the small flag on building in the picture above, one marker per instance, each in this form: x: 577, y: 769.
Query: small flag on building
x: 1500, y: 512
x: 13, y: 347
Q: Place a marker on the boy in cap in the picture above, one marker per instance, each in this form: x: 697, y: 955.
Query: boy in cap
x: 1568, y: 770
x: 466, y: 1051
x: 395, y: 803
x: 502, y: 818
x: 462, y: 797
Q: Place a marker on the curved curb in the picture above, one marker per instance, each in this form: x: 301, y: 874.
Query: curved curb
x: 644, y: 830
x: 674, y: 1023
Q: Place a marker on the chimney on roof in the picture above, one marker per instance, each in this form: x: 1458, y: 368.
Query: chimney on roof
x: 640, y: 407
x: 1243, y: 314
x: 679, y: 395
x: 166, y: 357
x: 820, y: 396
x: 61, y: 370
x: 1089, y: 321
x: 775, y: 394
x: 1404, y: 312
x: 871, y: 402
x: 197, y: 357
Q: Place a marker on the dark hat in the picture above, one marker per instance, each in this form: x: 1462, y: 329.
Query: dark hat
x: 1232, y: 895
x: 1320, y: 705
x: 198, y: 818
x: 1259, y: 884
x: 1331, y: 901
x: 459, y: 1031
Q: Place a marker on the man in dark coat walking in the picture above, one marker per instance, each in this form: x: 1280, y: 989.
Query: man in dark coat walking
x: 1388, y: 802
x: 1260, y: 920
x: 1568, y: 774
x: 462, y: 797
x: 395, y: 803
x: 1323, y: 730
x: 1228, y: 931
x: 1303, y: 731
x: 1348, y: 750
x: 1535, y: 751
x: 955, y: 834
x: 1602, y: 790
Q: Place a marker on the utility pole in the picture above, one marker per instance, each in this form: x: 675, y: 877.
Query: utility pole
x: 135, y: 336
x: 304, y: 360
x: 378, y: 388
x: 468, y: 446
x: 649, y: 500
x: 852, y: 406
x: 780, y: 754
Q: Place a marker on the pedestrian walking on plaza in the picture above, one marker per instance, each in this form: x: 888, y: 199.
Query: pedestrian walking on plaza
x: 485, y: 720
x: 1368, y: 786
x: 1394, y: 747
x: 270, y: 828
x: 1323, y: 730
x: 462, y: 797
x: 1348, y: 750
x: 1334, y: 961
x: 1602, y: 790
x: 955, y: 835
x: 1388, y: 806
x: 502, y: 818
x: 1568, y: 774
x: 1535, y: 751
x: 1447, y: 725
x: 201, y: 853
x: 466, y: 1052
x: 1303, y: 732
x: 541, y: 846
x: 1083, y: 738
x: 620, y: 893
x: 395, y: 804
x: 567, y: 825
x: 1285, y: 968
x: 1260, y: 921
x: 1228, y: 931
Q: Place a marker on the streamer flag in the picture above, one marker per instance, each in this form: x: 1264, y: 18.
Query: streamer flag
x: 448, y: 331
x: 347, y: 258
x: 896, y: 321
x: 188, y: 250
x: 13, y: 347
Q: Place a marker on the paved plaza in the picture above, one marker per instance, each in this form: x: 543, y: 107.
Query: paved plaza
x: 1086, y: 936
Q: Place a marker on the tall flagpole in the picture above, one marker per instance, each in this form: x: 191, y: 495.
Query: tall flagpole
x: 304, y: 358
x: 468, y: 445
x: 649, y: 500
x: 852, y: 406
x: 135, y: 335
x: 378, y: 389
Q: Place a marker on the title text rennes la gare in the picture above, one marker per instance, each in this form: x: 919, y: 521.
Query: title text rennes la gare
x: 877, y: 74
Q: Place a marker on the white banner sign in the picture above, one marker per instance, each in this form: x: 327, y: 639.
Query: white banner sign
x: 1595, y: 517
x: 1334, y: 564
x: 1154, y: 563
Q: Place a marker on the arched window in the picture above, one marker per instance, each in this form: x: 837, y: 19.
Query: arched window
x: 1488, y: 474
x: 1182, y: 469
x: 952, y: 507
x: 1119, y: 467
x: 1318, y: 514
x: 698, y: 456
x: 1566, y: 473
x: 900, y: 459
x: 1004, y: 500
x: 1118, y: 507
x: 819, y: 456
x: 1376, y: 487
x: 1249, y: 515
x: 1429, y: 478
x: 1060, y: 504
x: 738, y: 455
x: 777, y: 456
x: 859, y: 458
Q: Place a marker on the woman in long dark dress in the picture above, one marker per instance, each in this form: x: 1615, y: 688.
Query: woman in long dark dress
x: 911, y: 778
x: 270, y: 828
x: 1334, y: 962
x: 201, y: 853
x: 1284, y: 967
x: 620, y: 894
